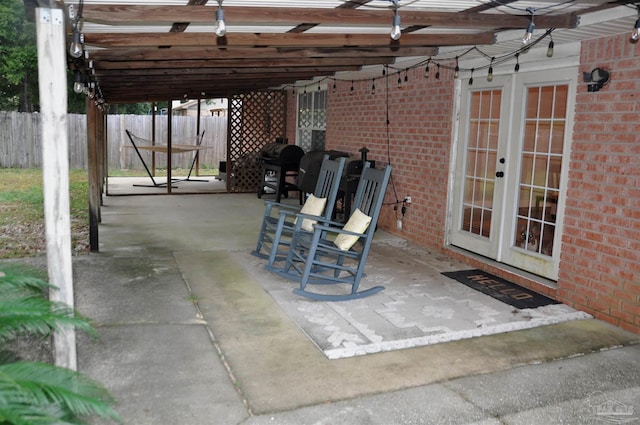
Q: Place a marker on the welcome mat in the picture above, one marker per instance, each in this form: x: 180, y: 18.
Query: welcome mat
x: 500, y: 289
x: 418, y: 307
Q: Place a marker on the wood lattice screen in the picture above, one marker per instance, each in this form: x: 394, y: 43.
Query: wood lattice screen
x: 255, y: 119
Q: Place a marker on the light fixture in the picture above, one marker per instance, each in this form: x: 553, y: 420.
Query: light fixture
x: 78, y: 85
x: 76, y: 48
x: 635, y: 34
x: 395, y: 25
x: 517, y: 67
x: 529, y: 32
x: 373, y: 86
x: 471, y: 78
x: 351, y: 89
x: 456, y: 70
x: 490, y: 73
x: 426, y: 69
x: 221, y: 26
x: 550, y: 48
x: 437, y: 71
x: 596, y: 79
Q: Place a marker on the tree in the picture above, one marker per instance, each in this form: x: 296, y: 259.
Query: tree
x: 18, y: 59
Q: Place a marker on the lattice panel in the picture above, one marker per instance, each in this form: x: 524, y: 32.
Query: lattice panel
x: 255, y: 119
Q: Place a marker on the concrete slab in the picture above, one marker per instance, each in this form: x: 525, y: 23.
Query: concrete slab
x: 187, y: 336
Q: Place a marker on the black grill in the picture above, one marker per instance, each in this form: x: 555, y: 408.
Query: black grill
x: 279, y: 161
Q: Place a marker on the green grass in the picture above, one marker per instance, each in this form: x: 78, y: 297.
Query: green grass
x: 22, y: 212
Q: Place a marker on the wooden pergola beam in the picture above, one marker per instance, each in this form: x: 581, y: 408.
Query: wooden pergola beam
x: 239, y: 15
x: 111, y: 40
x: 177, y: 53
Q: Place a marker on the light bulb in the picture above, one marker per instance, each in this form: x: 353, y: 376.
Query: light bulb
x: 395, y: 28
x: 550, y: 49
x: 75, y: 48
x: 635, y: 34
x: 490, y: 74
x: 221, y: 27
x: 78, y: 87
x: 529, y: 33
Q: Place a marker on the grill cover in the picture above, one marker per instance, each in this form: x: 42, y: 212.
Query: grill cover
x: 282, y: 154
x: 310, y: 165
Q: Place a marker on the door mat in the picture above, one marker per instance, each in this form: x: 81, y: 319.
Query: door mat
x: 500, y: 289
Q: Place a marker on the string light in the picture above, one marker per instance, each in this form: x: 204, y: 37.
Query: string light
x: 517, y: 67
x: 456, y: 70
x: 396, y: 32
x: 528, y: 35
x: 490, y: 73
x: 635, y: 34
x: 471, y: 78
x: 426, y: 69
x: 437, y: 71
x: 351, y: 90
x: 550, y: 48
x: 221, y: 26
x: 373, y: 86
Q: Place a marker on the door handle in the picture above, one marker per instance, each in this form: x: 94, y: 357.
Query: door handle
x: 500, y: 174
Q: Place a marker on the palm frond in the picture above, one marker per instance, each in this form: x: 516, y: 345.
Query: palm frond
x: 42, y: 384
x: 37, y: 316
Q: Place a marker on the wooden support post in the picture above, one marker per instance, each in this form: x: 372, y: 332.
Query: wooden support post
x: 153, y: 138
x: 197, y: 139
x: 93, y: 122
x: 169, y: 130
x: 52, y: 79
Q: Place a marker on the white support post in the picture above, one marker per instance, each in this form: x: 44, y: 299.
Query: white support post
x: 55, y: 168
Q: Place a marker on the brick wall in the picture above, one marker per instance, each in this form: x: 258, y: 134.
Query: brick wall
x: 600, y: 263
x: 416, y: 143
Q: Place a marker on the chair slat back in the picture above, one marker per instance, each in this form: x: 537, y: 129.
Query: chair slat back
x: 328, y: 182
x: 370, y: 193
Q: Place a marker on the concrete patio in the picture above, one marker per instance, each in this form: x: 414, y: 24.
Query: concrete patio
x: 188, y: 337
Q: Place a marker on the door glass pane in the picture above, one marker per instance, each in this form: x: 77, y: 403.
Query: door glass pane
x: 481, y: 156
x: 540, y: 166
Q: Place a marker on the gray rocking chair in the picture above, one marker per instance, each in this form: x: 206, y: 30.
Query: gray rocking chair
x: 280, y: 219
x: 318, y: 258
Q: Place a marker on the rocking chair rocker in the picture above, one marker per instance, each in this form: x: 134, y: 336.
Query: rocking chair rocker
x: 281, y: 219
x: 317, y: 258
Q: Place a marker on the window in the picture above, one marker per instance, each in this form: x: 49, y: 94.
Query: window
x: 312, y: 120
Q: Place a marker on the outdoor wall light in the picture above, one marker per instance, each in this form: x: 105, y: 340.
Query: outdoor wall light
x: 596, y: 79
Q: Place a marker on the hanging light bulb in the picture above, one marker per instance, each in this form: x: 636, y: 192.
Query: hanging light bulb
x: 221, y: 27
x: 456, y: 70
x: 426, y: 69
x: 351, y: 90
x: 471, y: 78
x: 635, y: 34
x: 490, y: 73
x: 550, y: 48
x: 76, y: 48
x: 78, y: 85
x: 373, y: 86
x: 437, y: 71
x: 528, y: 35
x: 395, y: 26
x: 517, y: 67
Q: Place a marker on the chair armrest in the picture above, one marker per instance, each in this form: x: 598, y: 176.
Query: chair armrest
x: 337, y: 230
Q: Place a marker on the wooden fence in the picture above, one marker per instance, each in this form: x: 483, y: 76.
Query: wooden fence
x: 20, y: 140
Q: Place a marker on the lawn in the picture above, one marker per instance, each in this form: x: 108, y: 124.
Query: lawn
x: 22, y: 212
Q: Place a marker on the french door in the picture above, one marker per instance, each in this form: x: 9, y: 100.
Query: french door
x: 510, y: 168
